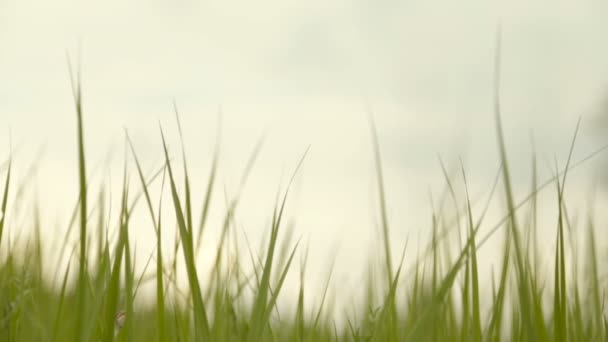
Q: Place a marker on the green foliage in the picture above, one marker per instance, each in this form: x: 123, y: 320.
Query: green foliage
x: 436, y: 297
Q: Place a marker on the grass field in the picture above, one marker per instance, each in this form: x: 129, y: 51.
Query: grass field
x: 435, y: 298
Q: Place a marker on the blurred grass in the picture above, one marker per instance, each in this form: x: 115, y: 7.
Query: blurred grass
x: 405, y: 304
x: 436, y: 297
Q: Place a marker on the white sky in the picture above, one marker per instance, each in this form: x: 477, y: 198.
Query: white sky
x: 300, y: 73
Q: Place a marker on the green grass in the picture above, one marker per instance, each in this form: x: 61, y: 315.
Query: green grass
x: 436, y: 297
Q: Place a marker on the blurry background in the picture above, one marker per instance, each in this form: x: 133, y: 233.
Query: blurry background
x: 302, y: 74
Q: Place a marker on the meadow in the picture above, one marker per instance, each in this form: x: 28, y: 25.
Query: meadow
x: 436, y: 297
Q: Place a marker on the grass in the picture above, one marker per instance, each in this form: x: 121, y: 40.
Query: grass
x: 438, y: 297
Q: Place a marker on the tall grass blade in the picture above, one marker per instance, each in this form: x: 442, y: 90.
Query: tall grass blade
x: 3, y: 213
x: 260, y: 308
x: 160, y: 292
x: 382, y: 199
x: 474, y: 272
x: 82, y: 181
x: 200, y: 315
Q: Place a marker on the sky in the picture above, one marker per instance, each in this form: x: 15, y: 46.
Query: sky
x: 304, y: 75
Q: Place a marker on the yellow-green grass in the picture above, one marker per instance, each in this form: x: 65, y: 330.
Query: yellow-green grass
x: 435, y: 297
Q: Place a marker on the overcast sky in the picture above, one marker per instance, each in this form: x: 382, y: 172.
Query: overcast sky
x: 301, y: 73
